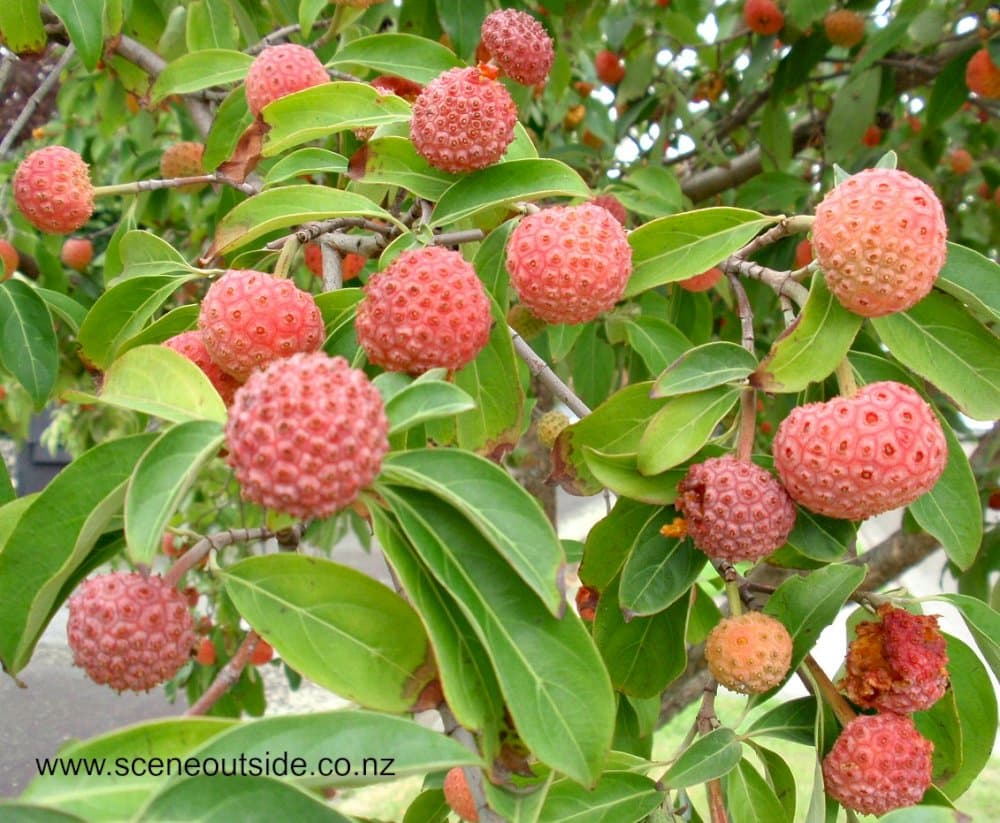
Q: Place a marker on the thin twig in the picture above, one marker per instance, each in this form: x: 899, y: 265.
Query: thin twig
x: 540, y: 369
x: 333, y: 273
x: 33, y: 102
x: 781, y: 281
x: 219, y: 540
x: 748, y: 398
x: 227, y: 677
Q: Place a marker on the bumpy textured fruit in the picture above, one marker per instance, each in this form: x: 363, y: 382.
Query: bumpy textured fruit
x: 880, y: 762
x: 9, y: 259
x: 734, y: 509
x: 77, y: 252
x: 550, y: 425
x: 463, y: 120
x: 703, y: 281
x: 609, y: 67
x: 519, y: 45
x: 897, y: 664
x: 749, y: 653
x: 763, y: 17
x: 860, y: 456
x: 613, y: 205
x: 281, y: 70
x: 458, y: 795
x: 844, y: 28
x: 428, y: 309
x: 982, y: 75
x: 306, y: 435
x: 183, y: 159
x: 192, y: 346
x: 249, y: 318
x: 129, y: 631
x: 569, y: 263
x: 351, y: 264
x: 880, y: 239
x: 52, y: 189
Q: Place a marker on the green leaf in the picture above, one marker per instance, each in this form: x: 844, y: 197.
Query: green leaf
x: 682, y: 245
x: 374, y: 649
x: 853, y: 111
x: 462, y: 22
x: 949, y: 91
x: 182, y: 319
x: 705, y: 367
x: 64, y: 307
x: 211, y: 800
x: 659, y: 570
x: 394, y: 161
x: 111, y: 796
x: 941, y: 342
x: 682, y: 427
x: 506, y: 515
x: 750, y: 799
x: 951, y: 510
x: 21, y: 25
x: 53, y: 537
x: 657, y: 341
x: 161, y: 479
x: 971, y: 279
x: 619, y: 796
x: 807, y: 605
x: 405, y: 55
x: 159, y: 381
x: 377, y: 747
x: 709, y: 757
x: 199, y: 70
x: 425, y: 400
x: 144, y: 254
x: 28, y: 345
x: 551, y: 675
x: 305, y: 161
x: 319, y: 111
x: 983, y: 623
x: 504, y: 184
x: 611, y: 539
x: 121, y: 312
x: 232, y: 119
x: 810, y: 349
x: 490, y: 264
x: 287, y: 206
x: 792, y: 720
x: 25, y: 813
x: 924, y: 814
x: 776, y: 142
x: 84, y: 28
x: 824, y: 539
x: 620, y: 474
x: 211, y: 25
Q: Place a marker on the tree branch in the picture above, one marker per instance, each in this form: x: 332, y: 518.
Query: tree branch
x: 32, y: 103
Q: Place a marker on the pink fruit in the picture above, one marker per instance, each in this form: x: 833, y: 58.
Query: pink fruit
x: 9, y: 259
x: 77, y: 252
x: 192, y: 346
x: 749, y: 653
x: 350, y: 264
x: 129, y: 631
x: 52, y: 189
x: 763, y: 17
x: 458, y: 795
x: 306, y: 435
x: 703, y: 281
x: 844, y: 28
x: 609, y: 67
x: 281, y: 70
x: 982, y: 75
x: 519, y: 45
x: 183, y: 159
x: 613, y: 205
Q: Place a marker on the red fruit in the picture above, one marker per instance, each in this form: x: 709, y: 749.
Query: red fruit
x: 351, y: 264
x: 306, y: 435
x: 872, y: 136
x: 129, y: 631
x: 609, y: 67
x: 880, y: 239
x: 427, y: 310
x: 749, y: 653
x: 206, y: 652
x: 587, y: 600
x: 734, y: 509
x: 400, y: 86
x: 458, y: 795
x: 281, y: 70
x: 463, y: 120
x: 898, y: 664
x: 192, y: 346
x: 9, y: 258
x: 803, y: 254
x: 569, y: 263
x: 982, y: 75
x: 52, y: 189
x: 262, y: 653
x: 844, y: 28
x: 994, y: 499
x: 519, y: 45
x: 984, y: 191
x: 763, y: 17
x: 169, y: 546
x: 960, y: 161
x: 613, y: 205
x: 703, y: 281
x: 77, y: 252
x: 249, y: 318
x: 183, y: 159
x: 880, y: 762
x: 857, y: 457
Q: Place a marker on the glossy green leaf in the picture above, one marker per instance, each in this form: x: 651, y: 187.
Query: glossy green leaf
x: 143, y: 254
x: 792, y: 720
x: 657, y: 341
x: 199, y: 70
x: 232, y: 119
x: 504, y: 184
x: 824, y: 539
x: 491, y: 265
x: 951, y: 510
x: 334, y: 625
x: 64, y: 307
x: 462, y: 22
x: 53, y: 537
x: 707, y: 758
x: 659, y: 570
x: 705, y: 367
x: 506, y: 515
x: 971, y: 279
x: 176, y: 321
x: 29, y: 349
x: 311, y: 160
x: 319, y: 111
x: 286, y: 206
x: 619, y: 796
x: 682, y: 427
x: 211, y: 25
x: 211, y: 799
x: 395, y: 162
x: 943, y: 343
x: 425, y: 400
x: 682, y: 245
x: 611, y: 538
x: 550, y: 673
x: 925, y: 814
x: 111, y: 796
x: 377, y: 747
x: 749, y: 797
x: 157, y: 380
x: 983, y: 623
x: 405, y: 55
x: 853, y: 111
x: 21, y: 24
x: 811, y: 348
x: 161, y: 479
x: 83, y: 26
x: 620, y: 474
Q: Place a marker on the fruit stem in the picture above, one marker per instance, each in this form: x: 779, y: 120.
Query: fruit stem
x: 733, y: 597
x: 227, y: 677
x: 841, y: 708
x: 140, y: 186
x: 845, y: 379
